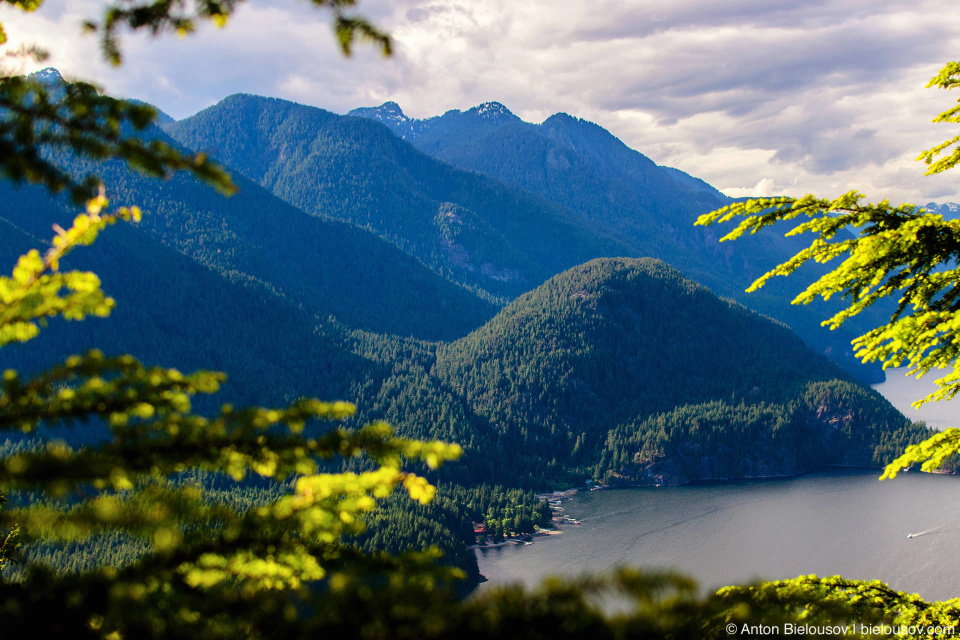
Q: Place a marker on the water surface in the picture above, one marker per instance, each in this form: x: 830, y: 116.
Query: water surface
x: 827, y: 523
x: 902, y: 390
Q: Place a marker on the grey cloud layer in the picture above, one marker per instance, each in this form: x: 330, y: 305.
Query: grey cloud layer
x: 808, y: 95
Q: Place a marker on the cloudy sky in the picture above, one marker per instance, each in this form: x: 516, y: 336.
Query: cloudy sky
x: 758, y: 97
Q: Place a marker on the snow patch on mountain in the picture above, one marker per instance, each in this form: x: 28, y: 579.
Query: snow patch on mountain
x: 390, y: 114
x: 48, y: 76
x: 949, y: 210
x: 494, y: 111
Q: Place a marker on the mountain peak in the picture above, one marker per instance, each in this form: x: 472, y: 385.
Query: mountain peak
x: 948, y: 210
x: 48, y: 76
x: 559, y: 117
x: 388, y: 112
x: 494, y: 111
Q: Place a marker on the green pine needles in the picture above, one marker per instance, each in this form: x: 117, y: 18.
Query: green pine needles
x: 898, y: 252
x: 199, y: 554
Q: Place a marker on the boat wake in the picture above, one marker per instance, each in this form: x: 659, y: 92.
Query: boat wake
x: 923, y: 533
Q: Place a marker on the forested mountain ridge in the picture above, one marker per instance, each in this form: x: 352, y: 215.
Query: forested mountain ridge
x: 533, y: 395
x: 829, y: 423
x: 566, y: 374
x: 585, y: 168
x: 491, y: 140
x: 472, y: 229
x: 559, y: 383
x: 178, y: 306
x: 174, y: 311
x: 184, y: 300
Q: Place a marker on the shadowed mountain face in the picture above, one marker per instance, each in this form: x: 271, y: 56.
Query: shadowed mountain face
x: 583, y: 167
x: 175, y: 312
x: 572, y: 162
x: 593, y: 180
x: 190, y: 295
x: 472, y: 229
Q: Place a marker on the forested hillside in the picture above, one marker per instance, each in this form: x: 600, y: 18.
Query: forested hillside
x: 833, y: 422
x: 616, y: 341
x: 621, y: 370
x: 531, y: 395
x: 612, y: 342
x: 175, y: 311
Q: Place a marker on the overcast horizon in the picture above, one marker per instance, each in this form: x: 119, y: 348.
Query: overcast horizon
x: 755, y: 97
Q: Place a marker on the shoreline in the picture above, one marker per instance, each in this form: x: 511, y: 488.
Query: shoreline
x: 568, y: 494
x: 519, y: 541
x: 748, y: 479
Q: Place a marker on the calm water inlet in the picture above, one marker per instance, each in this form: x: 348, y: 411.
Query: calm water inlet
x: 827, y: 523
x: 902, y: 390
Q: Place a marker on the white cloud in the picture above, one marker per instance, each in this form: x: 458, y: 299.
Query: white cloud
x: 763, y: 189
x: 811, y: 95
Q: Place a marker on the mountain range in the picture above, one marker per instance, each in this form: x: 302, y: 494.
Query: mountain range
x: 949, y: 210
x: 501, y: 205
x: 497, y: 239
